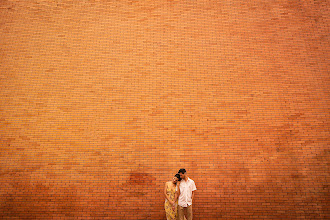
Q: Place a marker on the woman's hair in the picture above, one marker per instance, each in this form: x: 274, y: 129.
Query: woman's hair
x: 178, y: 176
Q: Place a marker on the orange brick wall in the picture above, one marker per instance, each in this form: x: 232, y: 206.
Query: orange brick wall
x: 102, y: 102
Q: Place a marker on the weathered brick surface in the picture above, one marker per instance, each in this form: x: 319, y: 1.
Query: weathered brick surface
x: 103, y: 101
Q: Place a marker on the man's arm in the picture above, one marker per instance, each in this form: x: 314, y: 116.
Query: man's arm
x: 193, y: 191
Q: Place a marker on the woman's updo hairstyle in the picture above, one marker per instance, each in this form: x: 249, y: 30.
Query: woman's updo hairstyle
x: 178, y: 176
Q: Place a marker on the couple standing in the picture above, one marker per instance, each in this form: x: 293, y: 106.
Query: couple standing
x: 181, y: 188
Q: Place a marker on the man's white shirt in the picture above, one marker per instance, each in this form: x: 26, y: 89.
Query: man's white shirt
x: 186, y: 189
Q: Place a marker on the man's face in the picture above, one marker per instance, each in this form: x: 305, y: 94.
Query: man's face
x: 182, y: 176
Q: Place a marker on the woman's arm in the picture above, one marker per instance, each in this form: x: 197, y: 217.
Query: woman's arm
x: 166, y: 196
x: 177, y: 193
x: 176, y: 196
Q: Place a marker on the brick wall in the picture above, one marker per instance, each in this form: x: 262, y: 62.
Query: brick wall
x: 102, y: 102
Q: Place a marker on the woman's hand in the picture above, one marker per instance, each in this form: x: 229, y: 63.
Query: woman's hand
x: 171, y: 202
x: 173, y: 207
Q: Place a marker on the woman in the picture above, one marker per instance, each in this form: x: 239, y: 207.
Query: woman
x: 170, y: 197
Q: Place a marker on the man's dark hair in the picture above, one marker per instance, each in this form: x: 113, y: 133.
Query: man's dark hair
x: 183, y: 171
x: 178, y: 176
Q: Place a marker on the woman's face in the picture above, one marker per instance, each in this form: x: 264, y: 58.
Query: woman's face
x: 175, y: 180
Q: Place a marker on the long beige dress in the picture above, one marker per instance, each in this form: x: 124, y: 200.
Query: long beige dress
x: 170, y: 214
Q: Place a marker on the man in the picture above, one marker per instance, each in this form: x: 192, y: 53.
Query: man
x: 185, y: 193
